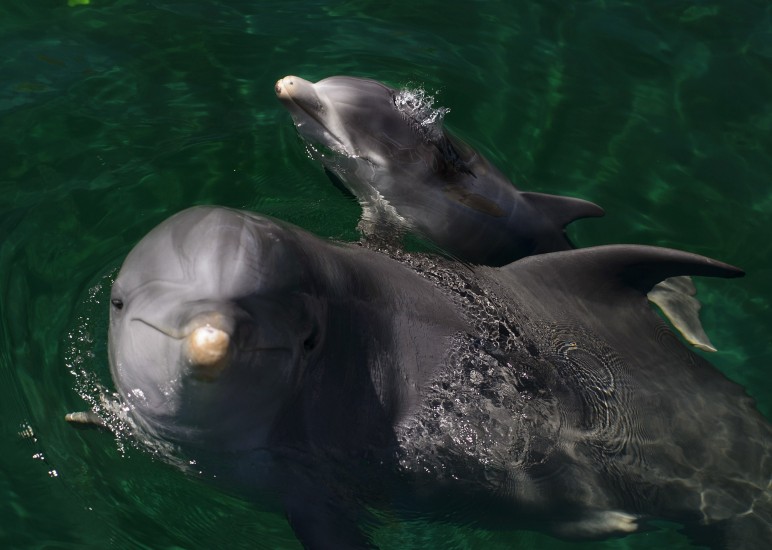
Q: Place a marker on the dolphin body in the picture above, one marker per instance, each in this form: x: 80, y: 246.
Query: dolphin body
x: 390, y: 150
x: 342, y: 379
x: 408, y: 172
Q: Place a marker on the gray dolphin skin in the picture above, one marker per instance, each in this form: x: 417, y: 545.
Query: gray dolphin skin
x: 341, y: 380
x: 390, y: 150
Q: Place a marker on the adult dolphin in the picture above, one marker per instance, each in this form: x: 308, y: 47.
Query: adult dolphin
x: 341, y: 378
x: 390, y: 150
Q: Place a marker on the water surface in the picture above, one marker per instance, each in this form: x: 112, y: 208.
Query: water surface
x: 116, y: 114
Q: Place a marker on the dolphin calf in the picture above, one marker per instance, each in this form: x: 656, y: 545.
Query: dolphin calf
x: 390, y: 150
x: 342, y: 380
x: 392, y: 153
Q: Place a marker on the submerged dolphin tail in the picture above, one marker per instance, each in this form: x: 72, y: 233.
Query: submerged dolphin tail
x: 611, y: 272
x: 562, y: 210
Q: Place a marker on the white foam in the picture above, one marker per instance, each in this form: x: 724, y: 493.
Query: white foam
x: 418, y: 106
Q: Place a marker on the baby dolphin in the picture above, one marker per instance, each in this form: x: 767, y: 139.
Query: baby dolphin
x: 392, y: 153
x: 389, y: 148
x: 343, y: 380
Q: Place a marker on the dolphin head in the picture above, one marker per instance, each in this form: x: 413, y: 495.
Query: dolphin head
x: 212, y: 323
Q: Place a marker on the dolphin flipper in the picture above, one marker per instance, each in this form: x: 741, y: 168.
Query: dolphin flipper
x: 675, y: 298
x: 599, y: 524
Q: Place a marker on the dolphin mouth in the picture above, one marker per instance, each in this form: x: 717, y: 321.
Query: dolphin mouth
x: 209, y: 331
x: 174, y: 334
x: 305, y: 106
x: 300, y: 93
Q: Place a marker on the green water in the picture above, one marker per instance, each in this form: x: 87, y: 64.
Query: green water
x: 117, y: 114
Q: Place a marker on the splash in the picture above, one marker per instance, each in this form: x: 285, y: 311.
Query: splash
x: 28, y: 433
x: 418, y: 107
x: 85, y: 359
x: 82, y: 360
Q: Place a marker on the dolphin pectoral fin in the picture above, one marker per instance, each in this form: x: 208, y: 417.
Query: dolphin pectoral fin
x: 562, y: 210
x: 599, y: 524
x: 85, y: 419
x: 675, y: 298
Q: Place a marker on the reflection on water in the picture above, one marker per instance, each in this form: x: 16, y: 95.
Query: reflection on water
x: 115, y: 115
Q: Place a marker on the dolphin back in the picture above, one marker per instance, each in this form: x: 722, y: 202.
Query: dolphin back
x: 674, y: 413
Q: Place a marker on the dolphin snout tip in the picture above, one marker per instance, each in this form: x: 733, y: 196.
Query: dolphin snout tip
x: 291, y: 89
x: 207, y: 351
x: 284, y: 85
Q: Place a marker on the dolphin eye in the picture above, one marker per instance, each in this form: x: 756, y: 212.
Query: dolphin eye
x: 117, y: 304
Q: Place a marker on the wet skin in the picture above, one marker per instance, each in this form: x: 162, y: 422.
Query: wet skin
x: 390, y: 150
x: 337, y: 378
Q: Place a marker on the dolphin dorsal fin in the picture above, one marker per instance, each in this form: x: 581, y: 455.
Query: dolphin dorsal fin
x: 610, y: 272
x: 562, y: 210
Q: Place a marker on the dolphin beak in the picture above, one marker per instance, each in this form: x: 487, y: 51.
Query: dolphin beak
x: 282, y: 86
x: 293, y: 90
x: 206, y: 349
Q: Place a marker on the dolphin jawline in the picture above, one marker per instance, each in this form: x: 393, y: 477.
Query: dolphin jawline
x: 177, y: 335
x: 180, y: 336
x: 313, y: 115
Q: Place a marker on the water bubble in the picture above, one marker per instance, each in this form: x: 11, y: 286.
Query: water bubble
x: 418, y: 106
x: 26, y: 432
